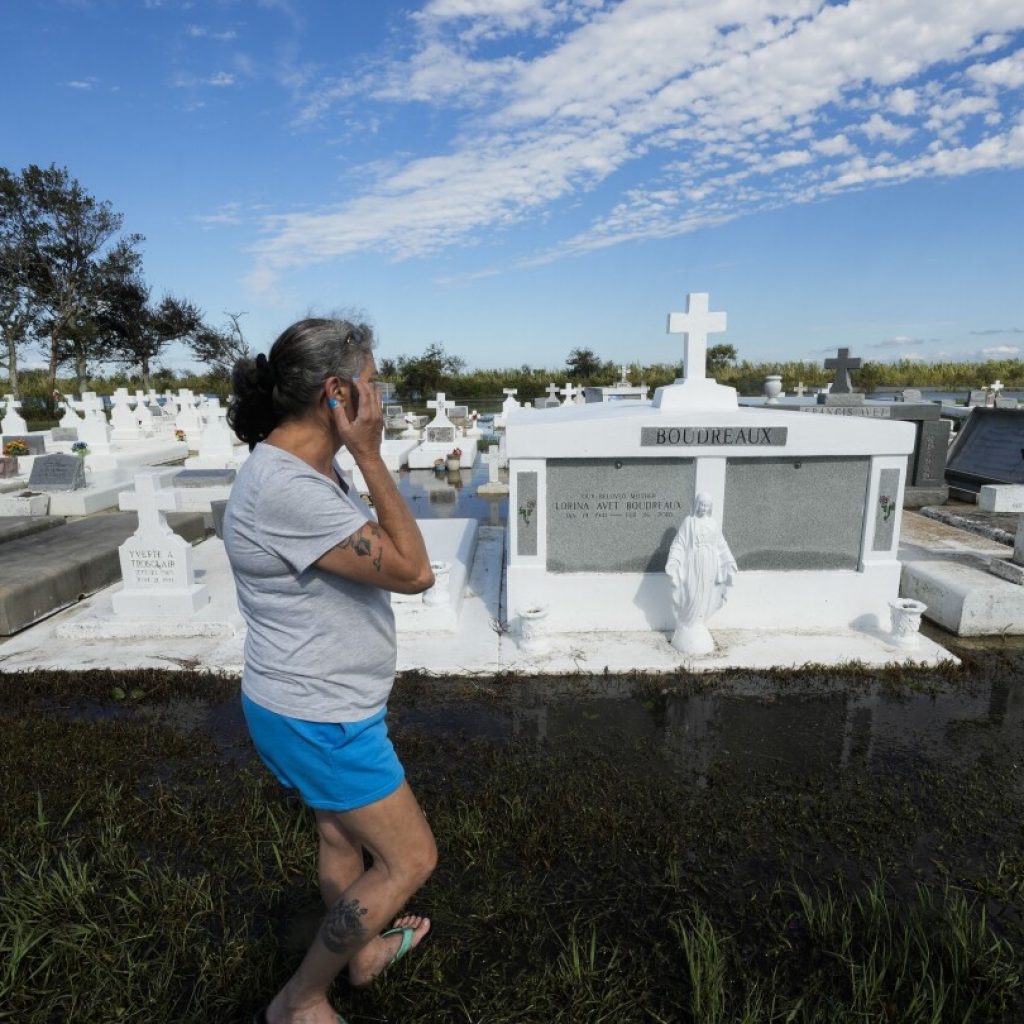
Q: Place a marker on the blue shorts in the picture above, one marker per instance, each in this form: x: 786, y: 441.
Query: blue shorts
x: 335, y: 766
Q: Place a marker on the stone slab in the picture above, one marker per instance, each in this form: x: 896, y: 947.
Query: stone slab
x: 46, y: 573
x: 1007, y: 570
x: 922, y: 497
x: 24, y: 503
x: 204, y: 478
x: 1001, y: 498
x: 948, y: 569
x: 928, y: 463
x: 17, y: 527
x: 65, y: 433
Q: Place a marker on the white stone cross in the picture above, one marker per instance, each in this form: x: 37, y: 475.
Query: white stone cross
x: 996, y: 386
x: 151, y: 500
x: 569, y: 392
x: 491, y: 458
x: 552, y: 390
x: 624, y: 370
x: 12, y: 423
x: 695, y: 325
x: 510, y: 392
x: 441, y: 406
x: 800, y: 390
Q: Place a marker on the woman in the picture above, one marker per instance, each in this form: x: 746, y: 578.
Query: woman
x: 313, y: 571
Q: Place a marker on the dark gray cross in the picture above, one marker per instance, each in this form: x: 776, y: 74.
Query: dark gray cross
x: 842, y: 364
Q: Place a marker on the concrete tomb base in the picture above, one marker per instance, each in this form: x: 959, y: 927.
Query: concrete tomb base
x: 49, y: 571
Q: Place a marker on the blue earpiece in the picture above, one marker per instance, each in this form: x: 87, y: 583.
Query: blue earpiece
x: 332, y: 402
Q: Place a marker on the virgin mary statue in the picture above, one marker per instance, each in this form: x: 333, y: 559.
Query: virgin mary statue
x: 701, y: 568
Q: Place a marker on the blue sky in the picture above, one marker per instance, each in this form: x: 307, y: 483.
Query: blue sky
x: 515, y: 178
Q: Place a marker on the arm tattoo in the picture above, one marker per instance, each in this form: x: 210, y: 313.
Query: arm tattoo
x: 361, y: 542
x: 342, y: 930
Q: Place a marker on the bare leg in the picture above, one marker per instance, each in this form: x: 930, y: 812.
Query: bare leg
x: 399, y: 839
x: 340, y: 864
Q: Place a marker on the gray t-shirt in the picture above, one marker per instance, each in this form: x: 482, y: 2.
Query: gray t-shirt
x: 320, y: 647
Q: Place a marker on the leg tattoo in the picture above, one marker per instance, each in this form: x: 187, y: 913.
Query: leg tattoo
x: 342, y: 930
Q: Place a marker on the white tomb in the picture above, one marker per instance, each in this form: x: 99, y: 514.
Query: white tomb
x: 12, y: 422
x: 70, y: 420
x: 218, y: 446
x: 811, y: 511
x: 123, y: 424
x: 94, y: 429
x: 441, y: 437
x: 143, y: 416
x: 507, y: 406
x: 156, y: 564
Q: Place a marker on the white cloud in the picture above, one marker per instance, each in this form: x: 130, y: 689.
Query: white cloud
x: 82, y: 84
x: 878, y: 127
x: 1001, y: 352
x: 720, y: 110
x: 1007, y: 73
x: 899, y: 341
x: 202, y: 32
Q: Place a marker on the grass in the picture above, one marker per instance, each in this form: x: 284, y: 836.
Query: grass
x: 151, y: 871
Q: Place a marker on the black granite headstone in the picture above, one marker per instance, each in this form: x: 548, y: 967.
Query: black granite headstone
x: 988, y: 450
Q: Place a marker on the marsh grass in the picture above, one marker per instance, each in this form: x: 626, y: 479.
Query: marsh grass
x: 153, y: 872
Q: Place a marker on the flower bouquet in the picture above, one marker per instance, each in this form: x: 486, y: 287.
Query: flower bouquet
x: 15, y: 449
x: 179, y: 435
x: 80, y: 448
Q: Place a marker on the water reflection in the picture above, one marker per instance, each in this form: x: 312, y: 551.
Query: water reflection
x: 868, y: 729
x: 452, y: 495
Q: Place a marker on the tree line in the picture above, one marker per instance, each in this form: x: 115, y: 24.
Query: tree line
x: 72, y: 286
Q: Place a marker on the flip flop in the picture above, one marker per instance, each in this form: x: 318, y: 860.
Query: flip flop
x: 407, y: 932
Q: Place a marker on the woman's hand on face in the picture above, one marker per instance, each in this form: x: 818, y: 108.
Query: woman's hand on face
x: 361, y: 434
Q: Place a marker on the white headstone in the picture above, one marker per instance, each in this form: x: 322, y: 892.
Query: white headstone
x: 552, y: 390
x: 12, y: 422
x: 800, y: 390
x: 122, y: 420
x: 94, y: 429
x: 143, y: 416
x: 216, y: 443
x: 569, y: 392
x: 70, y: 420
x: 188, y: 418
x: 156, y: 564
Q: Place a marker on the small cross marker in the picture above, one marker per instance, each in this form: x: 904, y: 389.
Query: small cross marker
x: 552, y: 390
x: 569, y: 392
x: 842, y: 364
x: 800, y: 390
x: 695, y: 325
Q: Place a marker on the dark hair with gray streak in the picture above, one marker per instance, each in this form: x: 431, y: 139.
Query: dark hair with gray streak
x: 285, y: 384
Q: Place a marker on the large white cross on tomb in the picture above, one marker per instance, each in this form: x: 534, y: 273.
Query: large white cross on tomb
x: 552, y: 390
x: 695, y: 325
x: 569, y: 392
x: 440, y: 406
x: 624, y: 374
x: 996, y: 386
x: 695, y: 390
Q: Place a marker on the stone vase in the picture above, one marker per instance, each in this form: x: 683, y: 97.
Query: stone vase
x: 773, y: 388
x: 532, y: 638
x: 693, y: 639
x: 453, y: 465
x: 905, y: 614
x: 438, y: 593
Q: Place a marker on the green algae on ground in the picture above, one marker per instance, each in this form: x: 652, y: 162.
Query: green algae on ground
x: 749, y: 847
